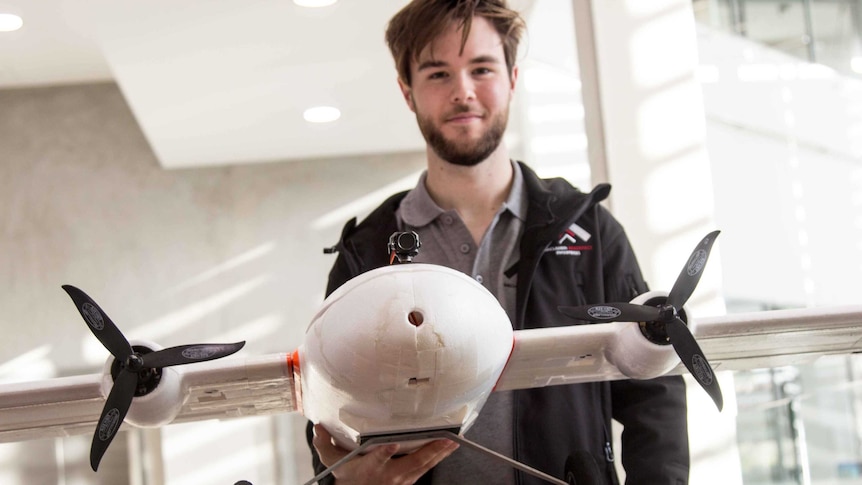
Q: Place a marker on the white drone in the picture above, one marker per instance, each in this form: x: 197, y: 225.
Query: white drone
x: 410, y: 352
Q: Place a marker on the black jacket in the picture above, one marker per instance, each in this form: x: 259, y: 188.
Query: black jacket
x: 553, y: 422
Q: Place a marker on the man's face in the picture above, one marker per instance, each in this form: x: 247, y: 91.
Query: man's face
x: 462, y: 101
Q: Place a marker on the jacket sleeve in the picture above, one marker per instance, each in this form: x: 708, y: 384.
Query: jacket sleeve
x: 655, y: 430
x: 653, y: 412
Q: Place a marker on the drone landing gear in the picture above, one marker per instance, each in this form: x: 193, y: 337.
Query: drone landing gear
x: 437, y: 434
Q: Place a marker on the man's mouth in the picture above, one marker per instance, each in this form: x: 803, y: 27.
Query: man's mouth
x: 464, y: 117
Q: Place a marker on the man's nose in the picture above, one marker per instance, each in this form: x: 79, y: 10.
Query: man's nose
x: 463, y: 89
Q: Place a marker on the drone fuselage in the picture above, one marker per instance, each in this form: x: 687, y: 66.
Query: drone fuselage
x: 403, y: 348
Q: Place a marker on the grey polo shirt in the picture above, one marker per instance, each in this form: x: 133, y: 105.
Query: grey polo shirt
x: 445, y: 240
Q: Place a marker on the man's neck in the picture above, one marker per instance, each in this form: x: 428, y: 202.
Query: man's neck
x: 476, y: 192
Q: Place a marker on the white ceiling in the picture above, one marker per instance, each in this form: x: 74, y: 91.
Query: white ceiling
x: 216, y: 82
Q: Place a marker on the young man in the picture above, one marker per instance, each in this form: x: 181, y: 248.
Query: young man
x: 477, y: 211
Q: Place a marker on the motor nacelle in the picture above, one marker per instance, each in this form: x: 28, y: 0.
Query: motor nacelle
x: 158, y: 397
x: 640, y: 352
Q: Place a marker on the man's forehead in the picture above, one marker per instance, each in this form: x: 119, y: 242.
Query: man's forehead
x: 487, y: 49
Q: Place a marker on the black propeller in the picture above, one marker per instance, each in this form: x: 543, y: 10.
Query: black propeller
x: 666, y: 317
x: 133, y: 367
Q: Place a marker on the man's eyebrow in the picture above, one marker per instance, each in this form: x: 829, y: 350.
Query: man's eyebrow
x: 431, y: 64
x: 486, y: 59
x: 483, y: 59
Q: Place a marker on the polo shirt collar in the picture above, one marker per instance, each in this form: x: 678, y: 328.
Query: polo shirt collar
x: 418, y: 209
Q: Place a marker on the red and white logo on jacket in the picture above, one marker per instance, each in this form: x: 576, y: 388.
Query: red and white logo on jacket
x: 571, y: 242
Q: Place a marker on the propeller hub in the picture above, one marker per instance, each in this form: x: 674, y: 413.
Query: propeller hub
x: 134, y: 363
x: 148, y: 378
x: 655, y: 331
x: 666, y: 313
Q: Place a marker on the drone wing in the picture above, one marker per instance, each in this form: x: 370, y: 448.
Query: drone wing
x: 561, y: 355
x: 262, y: 385
x: 540, y: 357
x: 208, y: 390
x: 585, y: 353
x: 50, y: 408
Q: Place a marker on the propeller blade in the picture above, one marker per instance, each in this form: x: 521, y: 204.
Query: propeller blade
x: 100, y: 324
x: 690, y: 274
x: 692, y: 357
x: 611, y: 312
x: 187, y: 354
x: 116, y: 407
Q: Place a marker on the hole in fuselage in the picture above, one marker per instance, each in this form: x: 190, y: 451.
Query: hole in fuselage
x: 415, y: 381
x: 415, y: 318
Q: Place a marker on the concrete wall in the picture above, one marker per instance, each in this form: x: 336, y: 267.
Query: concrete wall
x: 214, y: 254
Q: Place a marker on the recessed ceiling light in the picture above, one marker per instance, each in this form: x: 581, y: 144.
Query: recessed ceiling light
x: 314, y: 3
x: 10, y: 22
x: 321, y: 114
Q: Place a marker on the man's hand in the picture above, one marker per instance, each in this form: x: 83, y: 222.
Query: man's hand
x: 379, y: 466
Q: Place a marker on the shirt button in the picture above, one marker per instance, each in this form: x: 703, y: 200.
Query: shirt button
x: 447, y: 220
x: 465, y: 248
x: 479, y: 278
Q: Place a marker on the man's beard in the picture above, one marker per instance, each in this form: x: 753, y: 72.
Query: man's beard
x: 464, y: 153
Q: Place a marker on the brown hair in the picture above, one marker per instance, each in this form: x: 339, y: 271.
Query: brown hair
x: 421, y: 21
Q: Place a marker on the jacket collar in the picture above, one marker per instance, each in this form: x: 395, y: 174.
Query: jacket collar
x: 553, y: 204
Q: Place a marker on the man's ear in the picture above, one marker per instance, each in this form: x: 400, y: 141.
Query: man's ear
x: 407, y: 92
x: 513, y: 79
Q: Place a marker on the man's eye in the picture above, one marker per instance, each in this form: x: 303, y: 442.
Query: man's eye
x: 437, y: 75
x: 482, y: 70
